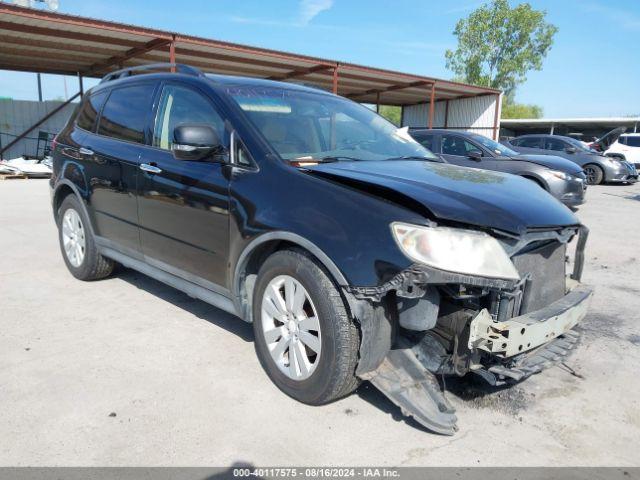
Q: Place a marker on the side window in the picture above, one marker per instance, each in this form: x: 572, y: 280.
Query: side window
x: 242, y: 155
x: 180, y: 105
x: 554, y: 144
x: 90, y: 110
x: 426, y: 141
x: 455, y: 145
x: 125, y: 113
x: 528, y: 142
x: 633, y: 141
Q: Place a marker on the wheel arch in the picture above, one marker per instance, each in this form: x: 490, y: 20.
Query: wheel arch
x: 62, y: 190
x: 258, y: 250
x: 534, y: 178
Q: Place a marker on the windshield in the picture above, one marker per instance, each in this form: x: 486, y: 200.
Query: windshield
x: 495, y: 147
x: 302, y: 125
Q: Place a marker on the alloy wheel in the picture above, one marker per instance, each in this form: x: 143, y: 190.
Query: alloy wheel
x: 291, y: 327
x: 73, y: 238
x: 590, y: 173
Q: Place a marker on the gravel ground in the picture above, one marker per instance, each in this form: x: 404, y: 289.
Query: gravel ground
x: 129, y: 372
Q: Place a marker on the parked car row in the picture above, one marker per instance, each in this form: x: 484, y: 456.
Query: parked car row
x: 562, y: 178
x: 356, y: 253
x: 597, y: 167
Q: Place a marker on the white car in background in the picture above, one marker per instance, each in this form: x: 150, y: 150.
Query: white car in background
x: 626, y: 147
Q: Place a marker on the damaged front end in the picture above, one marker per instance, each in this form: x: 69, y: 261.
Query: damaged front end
x: 426, y: 321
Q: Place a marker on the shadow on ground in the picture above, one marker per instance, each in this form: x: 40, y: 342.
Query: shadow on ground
x: 194, y: 306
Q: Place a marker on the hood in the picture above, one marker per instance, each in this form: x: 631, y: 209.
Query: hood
x: 553, y: 162
x: 456, y: 194
x: 609, y: 138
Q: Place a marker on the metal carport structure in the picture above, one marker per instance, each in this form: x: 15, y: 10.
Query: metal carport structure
x: 40, y: 41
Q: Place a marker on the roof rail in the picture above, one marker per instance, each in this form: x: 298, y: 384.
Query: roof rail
x: 152, y: 68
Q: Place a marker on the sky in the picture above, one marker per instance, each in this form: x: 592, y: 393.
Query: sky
x: 593, y: 68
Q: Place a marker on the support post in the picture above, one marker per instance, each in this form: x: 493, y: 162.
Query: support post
x: 635, y: 127
x: 552, y: 128
x: 39, y: 88
x: 172, y: 53
x: 80, y: 85
x: 432, y: 102
x: 335, y: 80
x: 496, y: 117
x: 378, y: 102
x: 446, y: 113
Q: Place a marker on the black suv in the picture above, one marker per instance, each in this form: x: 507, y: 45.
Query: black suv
x: 354, y: 252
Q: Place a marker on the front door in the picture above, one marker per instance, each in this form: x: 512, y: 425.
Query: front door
x: 456, y: 150
x: 184, y: 205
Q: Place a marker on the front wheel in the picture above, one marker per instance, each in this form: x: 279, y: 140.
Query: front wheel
x: 594, y: 174
x: 304, y: 338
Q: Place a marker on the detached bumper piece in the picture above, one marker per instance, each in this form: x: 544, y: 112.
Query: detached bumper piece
x: 405, y: 381
x: 532, y: 362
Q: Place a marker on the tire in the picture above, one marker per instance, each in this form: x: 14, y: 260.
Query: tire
x: 594, y: 173
x: 331, y: 372
x: 89, y: 265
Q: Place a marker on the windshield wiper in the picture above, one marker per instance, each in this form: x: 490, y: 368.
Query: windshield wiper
x: 310, y: 161
x: 416, y: 157
x: 339, y: 158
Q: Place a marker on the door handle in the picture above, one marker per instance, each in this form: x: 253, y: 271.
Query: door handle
x: 86, y: 151
x: 145, y: 167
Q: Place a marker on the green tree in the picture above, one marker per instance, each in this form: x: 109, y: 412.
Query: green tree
x: 391, y: 113
x: 512, y: 109
x: 498, y: 45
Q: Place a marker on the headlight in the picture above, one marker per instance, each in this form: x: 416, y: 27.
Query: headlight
x: 455, y: 250
x: 560, y: 175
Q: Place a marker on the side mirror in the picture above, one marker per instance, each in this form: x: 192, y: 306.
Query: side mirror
x: 475, y: 155
x: 195, y: 142
x: 570, y: 150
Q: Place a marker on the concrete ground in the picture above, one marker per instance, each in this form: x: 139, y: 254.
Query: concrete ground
x: 129, y: 372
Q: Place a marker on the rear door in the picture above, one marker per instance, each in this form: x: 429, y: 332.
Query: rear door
x: 111, y: 155
x: 184, y: 205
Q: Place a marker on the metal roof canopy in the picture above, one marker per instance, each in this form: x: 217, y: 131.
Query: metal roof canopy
x: 596, y: 122
x: 40, y: 41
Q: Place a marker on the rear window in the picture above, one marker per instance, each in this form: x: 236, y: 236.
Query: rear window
x: 90, y: 110
x: 124, y: 116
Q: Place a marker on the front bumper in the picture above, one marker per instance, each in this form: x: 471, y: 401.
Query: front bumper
x: 529, y: 331
x: 571, y: 192
x: 625, y: 173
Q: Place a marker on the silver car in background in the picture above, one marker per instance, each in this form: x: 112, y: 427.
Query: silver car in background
x: 561, y: 178
x: 597, y: 167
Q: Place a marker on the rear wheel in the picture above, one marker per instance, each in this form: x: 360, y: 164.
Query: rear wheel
x: 594, y: 174
x: 77, y: 244
x: 304, y: 339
